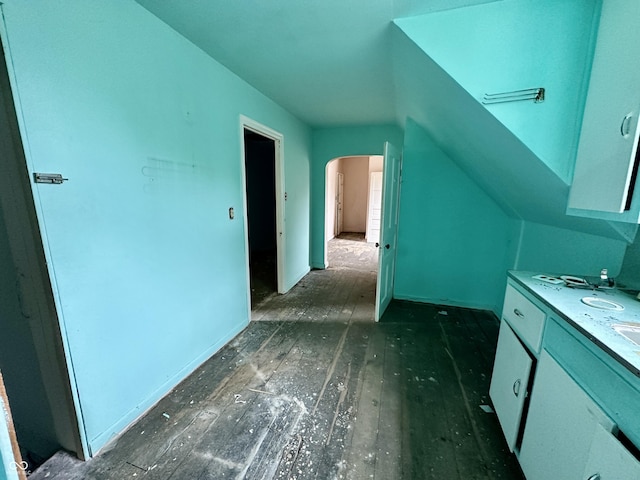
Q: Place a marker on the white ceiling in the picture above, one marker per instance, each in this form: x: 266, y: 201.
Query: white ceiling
x: 326, y: 61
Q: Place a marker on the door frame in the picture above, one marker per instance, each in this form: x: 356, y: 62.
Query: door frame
x: 247, y: 123
x: 339, y: 214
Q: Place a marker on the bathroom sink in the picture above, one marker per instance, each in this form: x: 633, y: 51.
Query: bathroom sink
x: 601, y: 303
x: 629, y: 330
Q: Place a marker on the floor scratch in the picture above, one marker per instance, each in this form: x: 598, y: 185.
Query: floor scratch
x: 343, y: 395
x: 332, y: 368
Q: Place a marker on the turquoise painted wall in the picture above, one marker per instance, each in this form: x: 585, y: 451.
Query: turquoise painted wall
x: 455, y: 244
x: 3, y: 473
x: 561, y: 251
x: 630, y: 271
x: 6, y: 452
x: 148, y: 270
x: 512, y: 45
x: 330, y: 143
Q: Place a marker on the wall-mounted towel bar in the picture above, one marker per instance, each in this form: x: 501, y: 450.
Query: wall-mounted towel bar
x: 535, y: 94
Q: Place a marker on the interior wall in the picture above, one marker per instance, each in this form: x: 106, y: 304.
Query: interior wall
x: 356, y: 192
x: 148, y: 270
x: 330, y: 143
x: 375, y: 163
x: 7, y: 470
x: 454, y: 243
x: 566, y: 252
x: 630, y: 271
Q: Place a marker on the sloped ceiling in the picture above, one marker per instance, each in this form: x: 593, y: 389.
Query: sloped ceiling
x: 337, y: 63
x: 482, y: 146
x: 328, y: 62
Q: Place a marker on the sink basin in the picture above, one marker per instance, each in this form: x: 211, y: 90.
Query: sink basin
x: 601, y: 303
x: 630, y: 331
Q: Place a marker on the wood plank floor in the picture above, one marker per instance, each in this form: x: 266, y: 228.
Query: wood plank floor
x: 314, y: 389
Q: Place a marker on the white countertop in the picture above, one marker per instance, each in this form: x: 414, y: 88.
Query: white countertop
x: 596, y: 324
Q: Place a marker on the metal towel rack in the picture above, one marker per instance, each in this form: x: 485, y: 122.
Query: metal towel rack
x: 535, y: 94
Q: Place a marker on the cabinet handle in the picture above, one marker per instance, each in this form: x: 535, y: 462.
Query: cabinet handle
x: 516, y: 389
x: 518, y: 313
x: 625, y: 128
x: 595, y: 476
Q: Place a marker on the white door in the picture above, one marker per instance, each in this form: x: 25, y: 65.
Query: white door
x: 339, y: 203
x: 389, y: 230
x: 374, y: 212
x: 509, y: 382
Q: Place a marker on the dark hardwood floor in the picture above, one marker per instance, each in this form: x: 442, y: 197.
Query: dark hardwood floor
x: 314, y: 389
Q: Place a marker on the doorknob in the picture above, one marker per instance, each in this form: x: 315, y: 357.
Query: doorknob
x: 387, y: 246
x: 377, y: 245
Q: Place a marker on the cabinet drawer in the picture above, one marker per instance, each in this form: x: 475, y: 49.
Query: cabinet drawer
x: 525, y: 318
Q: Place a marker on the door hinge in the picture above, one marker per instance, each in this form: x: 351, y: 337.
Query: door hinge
x: 54, y: 178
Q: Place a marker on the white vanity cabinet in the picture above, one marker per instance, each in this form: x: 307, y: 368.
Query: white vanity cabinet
x: 610, y: 127
x: 518, y: 345
x: 561, y: 425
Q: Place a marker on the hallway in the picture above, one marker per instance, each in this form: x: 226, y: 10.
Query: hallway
x: 313, y: 389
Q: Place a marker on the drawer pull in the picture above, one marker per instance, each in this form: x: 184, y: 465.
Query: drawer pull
x: 518, y: 313
x: 516, y: 389
x: 625, y: 130
x: 595, y: 476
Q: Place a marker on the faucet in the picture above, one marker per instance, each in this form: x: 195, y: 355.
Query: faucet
x: 605, y: 281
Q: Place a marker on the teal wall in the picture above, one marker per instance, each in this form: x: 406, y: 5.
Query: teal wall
x: 148, y: 270
x: 630, y: 272
x: 561, y: 251
x: 512, y: 45
x: 6, y: 452
x: 330, y: 143
x: 455, y: 243
x: 3, y: 473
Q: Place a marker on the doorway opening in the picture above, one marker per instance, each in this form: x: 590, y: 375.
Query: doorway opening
x: 263, y: 211
x: 369, y: 188
x: 353, y: 206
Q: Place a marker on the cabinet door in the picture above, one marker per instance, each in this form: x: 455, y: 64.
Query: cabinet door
x: 509, y: 381
x: 560, y: 426
x: 610, y: 460
x: 609, y: 132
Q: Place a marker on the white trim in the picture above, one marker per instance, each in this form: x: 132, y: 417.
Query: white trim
x: 278, y: 138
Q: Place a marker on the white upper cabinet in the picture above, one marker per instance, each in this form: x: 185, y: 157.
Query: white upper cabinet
x: 609, y: 136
